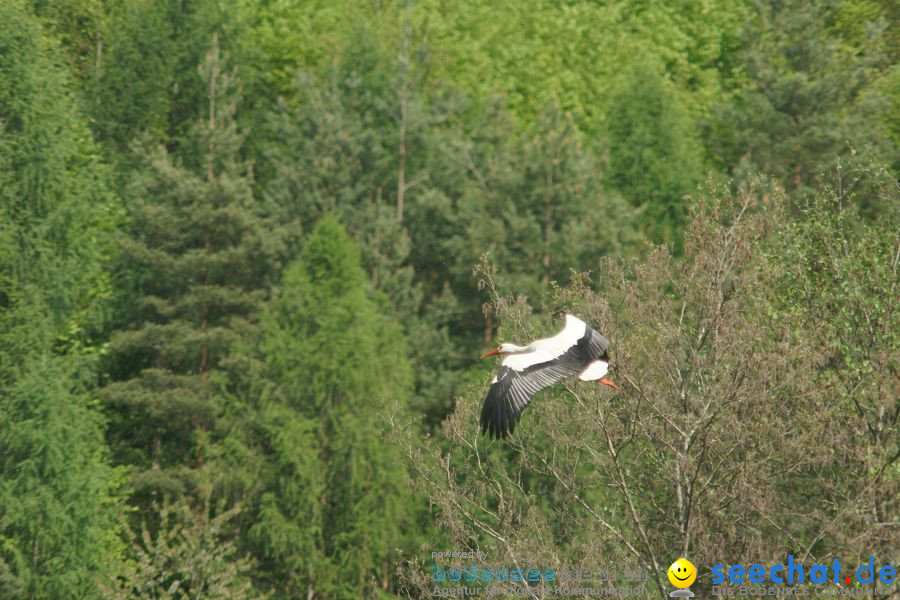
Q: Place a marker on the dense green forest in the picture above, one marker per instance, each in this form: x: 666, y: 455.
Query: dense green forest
x: 251, y: 250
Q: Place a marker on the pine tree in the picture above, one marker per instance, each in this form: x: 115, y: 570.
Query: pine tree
x: 57, y: 511
x: 802, y: 97
x: 192, y: 272
x: 333, y: 503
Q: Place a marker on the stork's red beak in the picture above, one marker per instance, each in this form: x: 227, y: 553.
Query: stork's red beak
x: 608, y: 382
x: 491, y: 353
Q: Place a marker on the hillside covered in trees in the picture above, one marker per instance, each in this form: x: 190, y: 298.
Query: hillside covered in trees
x: 250, y: 252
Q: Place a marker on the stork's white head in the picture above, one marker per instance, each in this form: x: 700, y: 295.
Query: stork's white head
x: 506, y: 348
x: 510, y: 348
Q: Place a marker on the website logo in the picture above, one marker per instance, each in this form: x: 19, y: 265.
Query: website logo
x: 682, y: 574
x: 794, y: 572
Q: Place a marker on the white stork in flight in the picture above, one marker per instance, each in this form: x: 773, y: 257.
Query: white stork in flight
x: 525, y: 370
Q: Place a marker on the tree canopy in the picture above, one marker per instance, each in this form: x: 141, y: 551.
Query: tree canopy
x: 250, y: 252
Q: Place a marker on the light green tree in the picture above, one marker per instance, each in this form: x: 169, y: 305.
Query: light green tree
x: 182, y: 555
x: 58, y: 514
x: 840, y: 273
x: 332, y: 504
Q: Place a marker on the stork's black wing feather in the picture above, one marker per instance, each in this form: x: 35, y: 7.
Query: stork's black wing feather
x: 512, y: 390
x: 594, y: 346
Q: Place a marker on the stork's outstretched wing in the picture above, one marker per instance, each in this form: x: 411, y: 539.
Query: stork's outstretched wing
x: 576, y: 350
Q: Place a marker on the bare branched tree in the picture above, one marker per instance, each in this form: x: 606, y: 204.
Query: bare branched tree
x: 712, y: 447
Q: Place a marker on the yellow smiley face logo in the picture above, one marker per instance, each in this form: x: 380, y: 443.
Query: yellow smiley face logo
x: 682, y: 573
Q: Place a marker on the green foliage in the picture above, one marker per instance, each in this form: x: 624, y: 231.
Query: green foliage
x: 653, y: 158
x: 840, y: 272
x: 365, y: 131
x: 133, y: 75
x: 188, y: 557
x: 78, y: 26
x: 55, y: 208
x: 540, y: 211
x: 764, y: 320
x: 332, y: 503
x: 382, y: 151
x: 192, y: 271
x: 143, y: 78
x: 801, y: 97
x: 278, y: 39
x: 338, y: 152
x: 57, y: 506
x: 334, y: 324
x: 537, y: 52
x: 286, y: 533
x: 353, y: 360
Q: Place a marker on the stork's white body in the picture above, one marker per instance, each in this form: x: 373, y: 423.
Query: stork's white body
x: 525, y: 370
x: 549, y: 349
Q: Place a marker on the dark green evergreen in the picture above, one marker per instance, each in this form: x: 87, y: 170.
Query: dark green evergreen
x: 339, y: 152
x: 192, y: 272
x: 540, y: 210
x: 802, y: 100
x: 140, y: 77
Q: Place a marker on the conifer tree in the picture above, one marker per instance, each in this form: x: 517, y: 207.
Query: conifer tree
x: 57, y: 511
x: 803, y: 96
x: 333, y: 503
x: 191, y: 273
